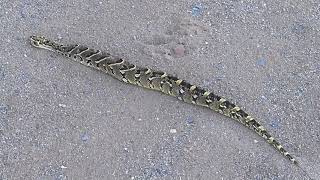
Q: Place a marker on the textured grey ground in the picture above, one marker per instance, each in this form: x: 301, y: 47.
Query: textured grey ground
x: 61, y: 120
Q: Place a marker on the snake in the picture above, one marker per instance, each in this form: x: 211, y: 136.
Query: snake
x: 158, y: 81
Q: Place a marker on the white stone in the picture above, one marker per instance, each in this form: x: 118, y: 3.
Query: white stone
x: 173, y: 131
x: 62, y: 105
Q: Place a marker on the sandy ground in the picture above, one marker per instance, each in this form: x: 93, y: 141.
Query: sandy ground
x: 61, y: 120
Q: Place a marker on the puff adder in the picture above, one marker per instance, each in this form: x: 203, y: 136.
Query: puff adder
x: 159, y: 81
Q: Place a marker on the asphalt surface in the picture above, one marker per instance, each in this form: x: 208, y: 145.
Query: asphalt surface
x: 62, y: 120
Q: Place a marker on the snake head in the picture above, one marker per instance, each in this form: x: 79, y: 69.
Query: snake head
x: 38, y: 41
x: 42, y: 42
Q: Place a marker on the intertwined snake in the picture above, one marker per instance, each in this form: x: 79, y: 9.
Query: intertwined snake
x: 159, y: 81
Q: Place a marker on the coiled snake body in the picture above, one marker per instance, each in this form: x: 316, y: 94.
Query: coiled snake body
x: 159, y: 81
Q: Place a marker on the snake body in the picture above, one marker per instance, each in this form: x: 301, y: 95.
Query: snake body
x: 159, y: 81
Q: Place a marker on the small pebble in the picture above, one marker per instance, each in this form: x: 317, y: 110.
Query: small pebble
x: 84, y: 136
x: 190, y: 120
x: 179, y: 50
x: 3, y: 109
x: 261, y: 62
x: 255, y: 141
x: 263, y: 97
x: 274, y: 124
x: 62, y: 105
x: 196, y: 10
x: 173, y: 131
x: 298, y: 29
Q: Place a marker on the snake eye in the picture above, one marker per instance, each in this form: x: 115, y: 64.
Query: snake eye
x: 35, y: 43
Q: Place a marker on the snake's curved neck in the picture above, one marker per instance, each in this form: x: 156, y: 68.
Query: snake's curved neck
x: 53, y: 46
